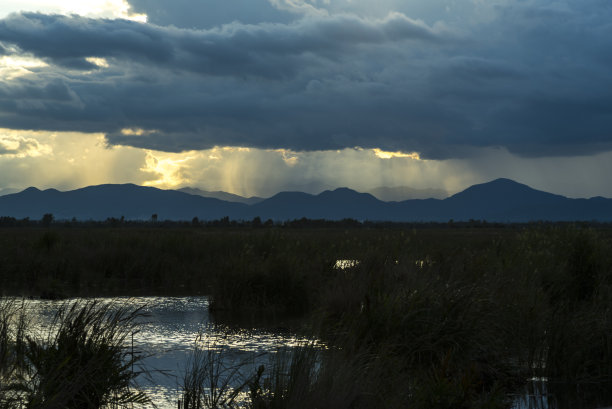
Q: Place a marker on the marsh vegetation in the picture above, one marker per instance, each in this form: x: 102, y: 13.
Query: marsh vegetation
x: 81, y: 362
x: 427, y: 317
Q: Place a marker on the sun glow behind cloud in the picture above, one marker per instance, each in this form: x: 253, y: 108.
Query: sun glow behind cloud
x: 15, y: 146
x: 100, y: 62
x: 12, y: 67
x: 136, y: 131
x: 89, y: 8
x: 389, y: 155
x: 167, y: 168
x: 106, y: 8
x: 69, y: 160
x: 64, y: 160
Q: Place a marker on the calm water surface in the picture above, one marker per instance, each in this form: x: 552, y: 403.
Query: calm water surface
x: 168, y: 336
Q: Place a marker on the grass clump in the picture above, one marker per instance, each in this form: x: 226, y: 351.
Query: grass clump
x: 12, y: 348
x: 83, y: 362
x: 307, y: 376
x: 443, y: 338
x: 211, y: 379
x: 310, y: 376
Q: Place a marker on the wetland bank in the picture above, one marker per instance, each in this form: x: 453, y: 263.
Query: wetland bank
x: 422, y: 316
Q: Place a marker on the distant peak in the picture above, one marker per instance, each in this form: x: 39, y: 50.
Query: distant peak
x: 31, y: 189
x: 291, y: 194
x: 503, y: 189
x: 116, y: 186
x: 339, y: 190
x: 345, y: 194
x: 505, y: 181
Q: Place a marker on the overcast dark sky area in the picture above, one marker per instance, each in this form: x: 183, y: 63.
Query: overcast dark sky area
x: 467, y: 90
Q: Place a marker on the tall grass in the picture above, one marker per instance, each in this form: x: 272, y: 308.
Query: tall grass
x: 310, y: 376
x: 83, y: 362
x: 212, y: 378
x: 444, y: 339
x: 12, y: 335
x: 468, y: 322
x: 307, y: 376
x: 454, y: 318
x: 12, y: 348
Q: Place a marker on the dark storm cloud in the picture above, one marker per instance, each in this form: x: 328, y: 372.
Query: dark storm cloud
x: 530, y: 77
x: 55, y: 90
x: 69, y: 40
x: 232, y: 49
x: 209, y: 13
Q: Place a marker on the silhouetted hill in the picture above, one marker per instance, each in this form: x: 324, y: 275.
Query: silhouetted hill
x: 505, y: 200
x: 501, y: 200
x: 401, y: 193
x: 338, y: 204
x: 103, y: 201
x: 228, y: 197
x: 502, y: 190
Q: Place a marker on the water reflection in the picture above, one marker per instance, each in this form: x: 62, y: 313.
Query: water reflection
x: 344, y: 264
x: 539, y: 393
x: 167, y: 337
x: 535, y: 396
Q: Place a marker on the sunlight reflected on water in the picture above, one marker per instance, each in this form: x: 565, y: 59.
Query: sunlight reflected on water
x: 344, y: 264
x: 168, y: 336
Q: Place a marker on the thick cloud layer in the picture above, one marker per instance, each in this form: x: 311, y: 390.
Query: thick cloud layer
x: 210, y: 13
x: 531, y: 77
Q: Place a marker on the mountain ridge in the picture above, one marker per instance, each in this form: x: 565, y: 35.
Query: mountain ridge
x: 218, y: 194
x: 500, y: 200
x: 401, y: 193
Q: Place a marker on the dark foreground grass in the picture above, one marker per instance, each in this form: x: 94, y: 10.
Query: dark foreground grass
x: 428, y: 318
x: 81, y: 363
x: 150, y: 261
x: 13, y: 346
x: 447, y: 320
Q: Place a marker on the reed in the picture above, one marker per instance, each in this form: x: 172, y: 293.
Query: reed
x: 12, y: 348
x: 453, y: 317
x: 84, y: 361
x: 211, y: 380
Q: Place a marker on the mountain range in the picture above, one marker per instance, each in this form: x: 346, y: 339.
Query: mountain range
x: 501, y: 200
x: 384, y: 193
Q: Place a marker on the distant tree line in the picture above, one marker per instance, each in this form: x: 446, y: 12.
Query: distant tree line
x: 49, y: 220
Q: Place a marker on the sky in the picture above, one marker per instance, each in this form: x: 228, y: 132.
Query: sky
x: 254, y: 97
